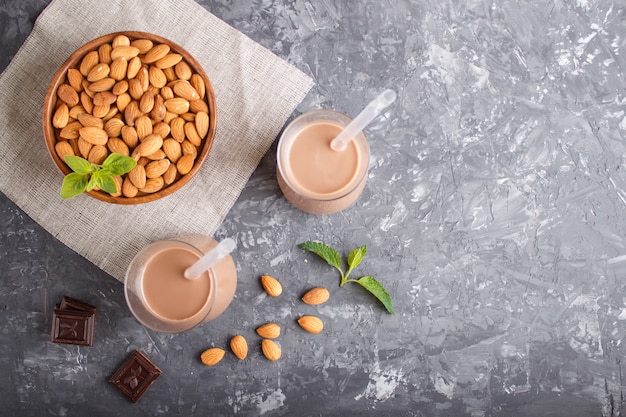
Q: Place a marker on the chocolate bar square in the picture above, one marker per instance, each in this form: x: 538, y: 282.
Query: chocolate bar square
x: 73, y: 327
x: 135, y: 375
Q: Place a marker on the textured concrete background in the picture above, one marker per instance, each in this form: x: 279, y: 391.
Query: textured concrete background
x: 493, y: 214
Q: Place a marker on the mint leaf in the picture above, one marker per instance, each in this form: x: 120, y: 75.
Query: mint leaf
x: 73, y: 184
x: 355, y: 257
x: 118, y: 164
x: 105, y: 181
x: 376, y: 288
x: 78, y: 164
x: 330, y: 255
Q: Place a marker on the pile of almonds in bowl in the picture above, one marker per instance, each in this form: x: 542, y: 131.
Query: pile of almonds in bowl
x: 135, y: 94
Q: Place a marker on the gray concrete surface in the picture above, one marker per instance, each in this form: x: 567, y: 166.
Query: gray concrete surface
x: 494, y: 215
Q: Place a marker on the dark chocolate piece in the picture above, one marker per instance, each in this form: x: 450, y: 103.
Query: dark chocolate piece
x: 73, y: 327
x: 135, y: 376
x: 70, y: 303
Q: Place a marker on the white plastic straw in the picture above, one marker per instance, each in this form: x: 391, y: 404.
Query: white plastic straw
x: 223, y: 249
x: 368, y: 114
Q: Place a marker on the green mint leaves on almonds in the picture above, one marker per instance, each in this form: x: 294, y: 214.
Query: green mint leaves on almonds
x: 87, y: 176
x: 333, y: 258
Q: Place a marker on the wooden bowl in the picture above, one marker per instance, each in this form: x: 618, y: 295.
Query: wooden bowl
x: 207, y: 102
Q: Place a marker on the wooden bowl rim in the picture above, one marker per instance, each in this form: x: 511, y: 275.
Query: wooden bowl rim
x: 60, y: 77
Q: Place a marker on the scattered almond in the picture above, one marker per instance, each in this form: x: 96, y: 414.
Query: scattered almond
x: 271, y: 286
x: 311, y: 324
x: 212, y: 356
x: 239, y: 346
x: 315, y: 296
x: 271, y: 350
x: 269, y: 331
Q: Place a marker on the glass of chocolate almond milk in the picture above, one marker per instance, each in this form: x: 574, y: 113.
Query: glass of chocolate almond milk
x: 162, y: 299
x: 314, y: 177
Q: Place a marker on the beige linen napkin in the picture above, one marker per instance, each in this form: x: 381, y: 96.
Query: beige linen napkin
x: 256, y: 92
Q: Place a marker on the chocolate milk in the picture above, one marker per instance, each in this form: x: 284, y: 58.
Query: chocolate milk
x: 161, y: 298
x: 314, y: 177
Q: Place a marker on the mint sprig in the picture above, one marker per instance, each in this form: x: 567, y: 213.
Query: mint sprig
x: 87, y: 176
x: 356, y: 255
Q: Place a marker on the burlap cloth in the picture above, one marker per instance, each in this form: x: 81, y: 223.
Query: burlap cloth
x: 256, y: 92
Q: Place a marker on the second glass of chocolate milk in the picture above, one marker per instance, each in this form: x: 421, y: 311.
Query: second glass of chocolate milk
x: 314, y: 177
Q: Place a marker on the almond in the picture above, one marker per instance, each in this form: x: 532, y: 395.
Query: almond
x: 98, y: 72
x: 76, y: 110
x: 84, y: 147
x: 192, y: 134
x: 94, y: 135
x: 89, y: 61
x: 198, y: 83
x: 129, y: 136
x: 131, y: 113
x: 123, y: 51
x: 170, y: 74
x: 212, y: 356
x: 271, y: 286
x: 113, y: 127
x: 146, y: 103
x: 172, y: 149
x: 128, y: 189
x: 143, y: 126
x: 176, y: 105
x: 155, y: 53
x: 104, y: 53
x: 152, y: 185
x: 157, y: 168
x: 149, y: 145
x: 184, y: 164
x: 120, y: 40
x: 162, y: 129
x: 311, y: 324
x: 185, y: 90
x: 157, y: 77
x: 89, y: 120
x: 271, y: 350
x: 134, y: 89
x: 134, y: 65
x: 117, y: 145
x: 63, y: 148
x: 169, y: 176
x: 61, y: 116
x: 168, y: 60
x: 156, y: 156
x: 104, y: 84
x: 183, y: 71
x: 113, y: 111
x: 101, y: 111
x: 269, y: 331
x: 158, y: 109
x: 315, y: 296
x: 118, y: 186
x: 68, y: 94
x: 177, y: 128
x: 188, y: 148
x: 118, y: 68
x: 122, y: 101
x: 202, y: 124
x: 144, y: 45
x: 97, y: 154
x: 198, y: 106
x: 70, y: 131
x: 137, y: 176
x: 104, y: 98
x: 144, y: 77
x: 75, y: 79
x: 239, y: 346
